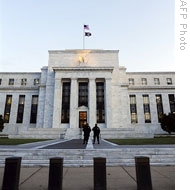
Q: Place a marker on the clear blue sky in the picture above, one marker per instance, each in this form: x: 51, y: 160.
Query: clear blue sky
x: 143, y: 31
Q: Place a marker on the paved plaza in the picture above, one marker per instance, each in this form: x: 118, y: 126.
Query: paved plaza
x: 76, y: 178
x: 118, y: 177
x: 78, y: 144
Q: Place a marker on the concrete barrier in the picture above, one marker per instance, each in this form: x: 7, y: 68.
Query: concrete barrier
x: 100, y: 173
x: 143, y: 174
x: 55, y: 174
x: 11, y: 173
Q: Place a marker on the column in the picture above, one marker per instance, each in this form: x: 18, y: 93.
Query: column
x: 14, y: 109
x: 57, y: 103
x: 140, y: 110
x: 41, y: 104
x: 13, y: 129
x: 125, y: 114
x: 49, y: 98
x: 108, y: 103
x: 165, y: 103
x: 41, y: 98
x: 27, y: 110
x: 74, y: 103
x: 153, y: 108
x: 92, y: 102
x: 2, y: 103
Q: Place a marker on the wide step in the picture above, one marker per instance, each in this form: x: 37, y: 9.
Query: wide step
x: 84, y: 157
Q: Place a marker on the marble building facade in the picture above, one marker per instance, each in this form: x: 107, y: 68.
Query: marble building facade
x: 85, y: 86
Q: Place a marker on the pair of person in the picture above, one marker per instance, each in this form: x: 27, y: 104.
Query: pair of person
x: 87, y: 130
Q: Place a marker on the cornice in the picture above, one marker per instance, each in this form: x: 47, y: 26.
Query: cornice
x: 151, y: 87
x: 83, y: 68
x: 76, y: 51
x: 18, y: 88
x: 150, y: 73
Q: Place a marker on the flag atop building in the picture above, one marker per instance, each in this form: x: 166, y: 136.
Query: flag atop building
x: 88, y: 34
x: 86, y: 27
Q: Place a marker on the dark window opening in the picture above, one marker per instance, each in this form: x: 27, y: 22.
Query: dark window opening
x: 34, y: 108
x: 20, y: 111
x: 133, y: 108
x: 83, y: 94
x: 159, y: 106
x: 146, y: 107
x: 172, y: 102
x: 7, y: 110
x: 65, y: 102
x: 100, y: 112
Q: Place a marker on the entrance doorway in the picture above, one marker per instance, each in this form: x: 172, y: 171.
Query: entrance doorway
x: 82, y: 118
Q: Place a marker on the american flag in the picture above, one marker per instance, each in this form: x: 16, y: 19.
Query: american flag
x: 86, y: 27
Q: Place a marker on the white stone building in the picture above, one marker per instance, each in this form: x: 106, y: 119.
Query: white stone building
x: 80, y: 86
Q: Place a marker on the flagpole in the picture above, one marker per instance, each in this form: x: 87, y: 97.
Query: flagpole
x: 85, y: 27
x: 83, y: 37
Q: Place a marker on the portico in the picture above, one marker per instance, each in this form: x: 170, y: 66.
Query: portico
x: 82, y: 96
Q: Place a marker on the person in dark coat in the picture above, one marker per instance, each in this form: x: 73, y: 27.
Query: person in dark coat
x: 96, y: 131
x: 86, y: 130
x: 1, y: 123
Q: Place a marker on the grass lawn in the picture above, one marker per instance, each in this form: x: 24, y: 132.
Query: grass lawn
x: 153, y: 141
x: 6, y: 141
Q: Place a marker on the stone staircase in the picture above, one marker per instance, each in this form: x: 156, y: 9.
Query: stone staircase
x: 121, y: 133
x: 73, y: 133
x: 3, y: 136
x: 70, y: 133
x: 84, y: 157
x: 41, y: 133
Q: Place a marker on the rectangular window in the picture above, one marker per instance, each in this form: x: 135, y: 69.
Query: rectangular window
x: 11, y: 81
x: 131, y: 81
x: 100, y: 112
x: 7, y: 110
x: 34, y: 108
x: 65, y: 102
x: 144, y: 81
x: 0, y: 81
x: 83, y: 94
x: 169, y: 81
x: 159, y: 106
x: 172, y: 102
x: 146, y: 106
x: 133, y: 108
x: 36, y: 81
x: 20, y: 111
x: 23, y: 82
x: 156, y: 81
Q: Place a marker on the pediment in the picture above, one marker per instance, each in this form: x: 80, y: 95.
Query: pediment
x: 83, y: 108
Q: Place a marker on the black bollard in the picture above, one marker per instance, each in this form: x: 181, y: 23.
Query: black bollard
x: 100, y: 173
x: 11, y: 173
x: 143, y: 173
x: 55, y: 174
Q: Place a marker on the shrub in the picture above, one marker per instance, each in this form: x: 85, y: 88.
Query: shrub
x: 168, y: 122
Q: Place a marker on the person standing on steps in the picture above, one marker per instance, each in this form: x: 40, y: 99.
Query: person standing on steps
x: 96, y: 131
x: 86, y: 130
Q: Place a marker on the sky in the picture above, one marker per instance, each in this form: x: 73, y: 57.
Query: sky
x: 142, y: 31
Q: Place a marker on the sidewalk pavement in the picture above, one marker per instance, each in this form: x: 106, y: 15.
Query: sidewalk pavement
x: 81, y: 178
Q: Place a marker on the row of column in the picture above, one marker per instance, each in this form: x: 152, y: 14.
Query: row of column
x: 153, y: 106
x: 14, y: 110
x: 74, y: 103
